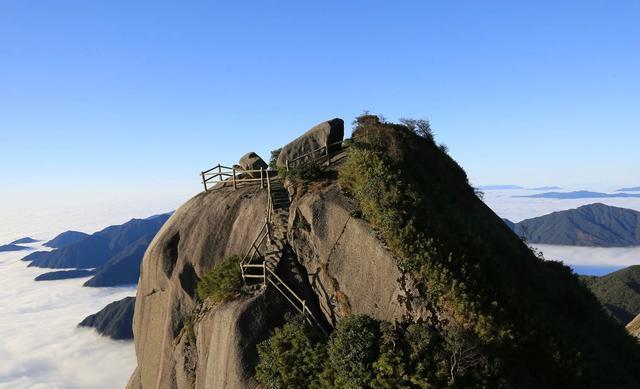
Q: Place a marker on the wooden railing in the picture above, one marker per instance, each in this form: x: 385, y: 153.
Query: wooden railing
x: 253, y: 253
x: 323, y: 152
x: 233, y: 175
x: 254, y: 259
x: 299, y: 304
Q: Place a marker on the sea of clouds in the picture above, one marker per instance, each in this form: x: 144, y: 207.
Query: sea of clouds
x: 41, y: 346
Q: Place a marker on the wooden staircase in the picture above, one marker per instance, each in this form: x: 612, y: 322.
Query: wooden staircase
x: 278, y: 229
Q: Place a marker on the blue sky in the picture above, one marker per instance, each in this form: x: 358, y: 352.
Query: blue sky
x: 136, y: 97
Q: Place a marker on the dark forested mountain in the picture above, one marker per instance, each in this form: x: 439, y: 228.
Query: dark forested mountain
x: 581, y: 194
x: 12, y: 247
x: 115, y: 320
x: 64, y: 274
x: 65, y: 239
x: 24, y: 240
x: 619, y: 292
x: 97, y: 249
x: 123, y: 268
x: 590, y: 225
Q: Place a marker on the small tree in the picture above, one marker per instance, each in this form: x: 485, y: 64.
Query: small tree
x: 353, y: 348
x: 422, y: 127
x: 223, y: 281
x: 274, y: 158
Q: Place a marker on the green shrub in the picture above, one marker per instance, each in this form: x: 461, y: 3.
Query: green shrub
x: 292, y: 358
x: 305, y: 170
x: 274, y: 158
x: 223, y: 281
x: 352, y: 350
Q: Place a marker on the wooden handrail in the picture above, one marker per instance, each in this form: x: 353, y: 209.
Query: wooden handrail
x: 233, y: 175
x: 312, y: 152
x: 304, y: 310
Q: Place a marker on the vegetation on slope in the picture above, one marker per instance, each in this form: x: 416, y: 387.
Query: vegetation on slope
x: 366, y: 353
x: 223, y: 281
x: 619, y: 292
x: 527, y: 322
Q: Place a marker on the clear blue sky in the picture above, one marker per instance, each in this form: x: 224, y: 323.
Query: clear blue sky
x: 134, y: 96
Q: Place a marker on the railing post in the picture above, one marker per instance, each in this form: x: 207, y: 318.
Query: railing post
x: 264, y: 273
x: 242, y: 272
x: 304, y: 307
x: 204, y: 182
x: 234, y: 178
x: 220, y: 171
x: 261, y: 178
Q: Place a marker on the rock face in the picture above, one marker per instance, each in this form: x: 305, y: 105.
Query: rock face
x: 325, y: 133
x: 114, y: 320
x: 198, y: 235
x: 337, y: 246
x: 634, y: 327
x: 65, y: 239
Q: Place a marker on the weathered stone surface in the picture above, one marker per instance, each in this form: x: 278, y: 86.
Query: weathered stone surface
x: 227, y: 336
x: 321, y: 135
x: 198, y: 235
x: 634, y: 327
x: 348, y: 266
x: 252, y: 161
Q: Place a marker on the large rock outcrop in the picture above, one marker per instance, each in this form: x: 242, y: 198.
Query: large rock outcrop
x: 251, y: 161
x: 470, y: 277
x: 343, y: 257
x: 323, y: 134
x: 200, y: 233
x: 221, y: 350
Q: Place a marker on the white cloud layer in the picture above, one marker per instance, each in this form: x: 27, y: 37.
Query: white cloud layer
x: 591, y: 256
x: 519, y: 208
x: 41, y: 346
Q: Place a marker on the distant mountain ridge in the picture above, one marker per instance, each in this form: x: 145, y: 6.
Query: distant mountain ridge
x: 65, y: 239
x: 580, y: 194
x: 596, y: 225
x: 24, y: 240
x: 98, y: 248
x: 64, y: 275
x: 115, y: 320
x: 123, y: 268
x: 632, y: 189
x: 13, y: 247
